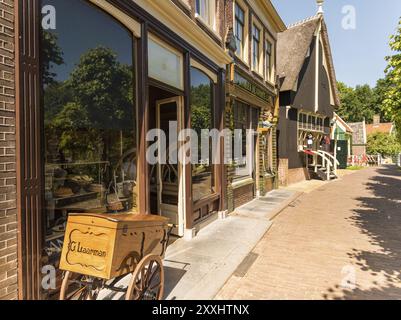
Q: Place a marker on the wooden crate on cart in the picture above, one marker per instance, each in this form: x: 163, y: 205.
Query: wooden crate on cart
x: 108, y: 246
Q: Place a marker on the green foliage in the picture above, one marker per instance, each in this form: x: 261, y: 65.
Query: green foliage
x: 51, y: 55
x: 384, y: 144
x: 362, y: 102
x: 57, y: 95
x: 355, y: 168
x: 201, y: 113
x: 72, y: 126
x: 392, y: 101
x: 93, y: 108
x: 103, y: 86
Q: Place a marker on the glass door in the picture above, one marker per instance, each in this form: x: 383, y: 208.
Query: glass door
x: 170, y: 177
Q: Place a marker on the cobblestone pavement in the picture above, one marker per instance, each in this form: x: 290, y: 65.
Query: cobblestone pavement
x: 340, y: 241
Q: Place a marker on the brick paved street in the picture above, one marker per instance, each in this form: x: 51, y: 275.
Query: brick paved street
x: 341, y: 241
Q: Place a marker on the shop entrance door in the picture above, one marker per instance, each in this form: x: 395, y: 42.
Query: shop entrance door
x: 170, y: 173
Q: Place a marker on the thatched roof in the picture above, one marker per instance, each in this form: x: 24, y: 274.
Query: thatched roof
x: 292, y: 47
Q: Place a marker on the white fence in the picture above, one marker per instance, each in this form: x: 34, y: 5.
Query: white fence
x: 365, y: 160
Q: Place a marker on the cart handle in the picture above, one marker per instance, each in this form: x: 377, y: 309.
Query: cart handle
x: 166, y: 239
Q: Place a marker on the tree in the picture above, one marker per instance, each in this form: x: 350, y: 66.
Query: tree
x: 362, y: 102
x: 392, y: 101
x: 384, y: 144
x: 201, y: 112
x: 93, y: 108
x: 357, y: 103
x: 103, y: 86
x: 380, y: 90
x: 51, y: 55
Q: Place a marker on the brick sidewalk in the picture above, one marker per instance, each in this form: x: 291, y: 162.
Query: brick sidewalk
x: 341, y: 241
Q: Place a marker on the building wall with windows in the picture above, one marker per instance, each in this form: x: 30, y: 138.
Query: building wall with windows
x: 110, y: 121
x: 252, y: 96
x: 308, y: 96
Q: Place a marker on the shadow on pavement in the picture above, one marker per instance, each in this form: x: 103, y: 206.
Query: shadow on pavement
x: 379, y: 217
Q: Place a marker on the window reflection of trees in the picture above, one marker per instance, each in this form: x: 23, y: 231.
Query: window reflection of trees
x: 201, y: 118
x: 89, y: 123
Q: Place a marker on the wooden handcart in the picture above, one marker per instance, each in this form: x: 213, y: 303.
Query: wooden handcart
x: 101, y: 249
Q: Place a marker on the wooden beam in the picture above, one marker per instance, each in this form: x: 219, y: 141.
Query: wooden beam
x: 143, y: 186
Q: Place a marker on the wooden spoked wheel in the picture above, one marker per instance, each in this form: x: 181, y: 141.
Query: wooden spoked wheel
x: 147, y: 282
x: 78, y: 287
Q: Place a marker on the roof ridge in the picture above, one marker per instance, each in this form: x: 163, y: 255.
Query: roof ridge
x: 298, y: 23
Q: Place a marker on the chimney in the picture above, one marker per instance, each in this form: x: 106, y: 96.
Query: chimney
x: 320, y: 6
x: 376, y: 119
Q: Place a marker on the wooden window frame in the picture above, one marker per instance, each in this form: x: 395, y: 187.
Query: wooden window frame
x: 244, y: 57
x: 259, y: 69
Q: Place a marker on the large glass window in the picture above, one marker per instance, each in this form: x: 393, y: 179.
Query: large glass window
x: 245, y: 118
x: 89, y: 127
x: 201, y: 122
x: 239, y: 30
x: 255, y: 47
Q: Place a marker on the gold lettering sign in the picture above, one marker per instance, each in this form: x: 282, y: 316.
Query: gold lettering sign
x: 87, y: 249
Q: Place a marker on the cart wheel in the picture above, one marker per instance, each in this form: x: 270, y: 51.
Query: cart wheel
x: 77, y: 287
x: 147, y: 282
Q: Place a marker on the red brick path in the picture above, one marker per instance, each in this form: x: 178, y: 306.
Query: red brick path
x: 341, y: 241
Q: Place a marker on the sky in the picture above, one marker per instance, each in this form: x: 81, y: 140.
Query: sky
x: 358, y: 53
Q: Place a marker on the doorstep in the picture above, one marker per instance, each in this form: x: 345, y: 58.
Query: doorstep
x: 197, y: 269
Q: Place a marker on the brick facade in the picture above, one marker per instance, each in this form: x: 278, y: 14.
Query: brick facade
x: 266, y: 163
x: 283, y: 172
x: 297, y: 175
x: 242, y: 195
x: 8, y: 211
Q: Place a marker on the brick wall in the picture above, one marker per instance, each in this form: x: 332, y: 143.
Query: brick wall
x: 243, y: 194
x: 297, y: 175
x: 8, y: 211
x: 358, y: 150
x: 283, y: 172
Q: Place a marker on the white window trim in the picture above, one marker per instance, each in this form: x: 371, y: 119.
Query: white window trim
x: 172, y: 50
x: 130, y: 23
x: 247, y: 171
x: 261, y: 65
x: 245, y: 51
x: 201, y: 67
x: 185, y: 4
x: 211, y: 15
x: 308, y: 115
x: 272, y: 78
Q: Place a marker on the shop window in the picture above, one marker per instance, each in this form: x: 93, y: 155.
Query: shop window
x: 245, y: 118
x: 165, y: 63
x: 202, y: 121
x: 89, y: 122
